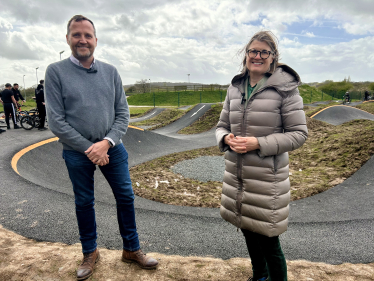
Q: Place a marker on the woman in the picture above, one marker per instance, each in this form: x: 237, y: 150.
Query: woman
x: 261, y: 120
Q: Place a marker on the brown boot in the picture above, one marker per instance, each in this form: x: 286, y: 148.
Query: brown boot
x: 140, y: 258
x: 86, y: 268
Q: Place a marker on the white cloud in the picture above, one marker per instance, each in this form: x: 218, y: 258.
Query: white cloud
x: 307, y: 34
x: 164, y: 40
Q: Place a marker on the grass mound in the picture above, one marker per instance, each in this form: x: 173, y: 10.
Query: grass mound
x: 204, y: 123
x: 163, y: 119
x: 329, y: 156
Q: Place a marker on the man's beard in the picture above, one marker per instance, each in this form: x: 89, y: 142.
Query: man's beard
x: 84, y: 55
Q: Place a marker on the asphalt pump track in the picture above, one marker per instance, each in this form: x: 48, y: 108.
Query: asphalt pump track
x: 335, y: 226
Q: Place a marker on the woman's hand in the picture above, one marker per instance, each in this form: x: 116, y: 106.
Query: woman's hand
x: 241, y: 144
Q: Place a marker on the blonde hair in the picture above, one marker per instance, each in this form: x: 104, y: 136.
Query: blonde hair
x: 269, y: 38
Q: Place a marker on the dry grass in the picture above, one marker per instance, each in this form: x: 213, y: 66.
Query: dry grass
x: 23, y: 259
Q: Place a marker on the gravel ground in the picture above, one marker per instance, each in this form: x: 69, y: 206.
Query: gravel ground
x: 205, y: 168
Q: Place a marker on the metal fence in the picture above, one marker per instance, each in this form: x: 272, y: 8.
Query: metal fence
x: 149, y: 88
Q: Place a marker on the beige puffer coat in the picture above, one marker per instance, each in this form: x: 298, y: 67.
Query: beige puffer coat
x: 256, y: 187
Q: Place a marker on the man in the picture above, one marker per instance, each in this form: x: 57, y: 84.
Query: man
x: 9, y: 104
x: 17, y: 94
x: 88, y: 111
x: 40, y: 103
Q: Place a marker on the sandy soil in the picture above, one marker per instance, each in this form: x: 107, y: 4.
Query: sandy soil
x: 26, y: 259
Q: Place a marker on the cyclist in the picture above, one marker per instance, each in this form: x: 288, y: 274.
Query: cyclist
x: 366, y: 96
x: 346, y: 98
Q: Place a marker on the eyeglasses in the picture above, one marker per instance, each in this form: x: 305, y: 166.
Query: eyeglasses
x: 252, y: 53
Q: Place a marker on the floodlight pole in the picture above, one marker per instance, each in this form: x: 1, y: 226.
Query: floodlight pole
x: 24, y: 87
x: 61, y: 53
x: 36, y: 69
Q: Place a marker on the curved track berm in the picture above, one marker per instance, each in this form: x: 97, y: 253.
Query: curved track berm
x: 339, y: 114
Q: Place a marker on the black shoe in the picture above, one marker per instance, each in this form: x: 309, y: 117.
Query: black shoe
x: 16, y: 126
x: 42, y: 129
x: 8, y: 127
x: 1, y: 131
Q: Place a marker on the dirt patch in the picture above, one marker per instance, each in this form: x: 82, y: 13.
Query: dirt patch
x: 154, y: 180
x: 205, y: 123
x: 23, y: 259
x: 329, y: 156
x: 367, y: 106
x: 136, y: 112
x: 163, y: 119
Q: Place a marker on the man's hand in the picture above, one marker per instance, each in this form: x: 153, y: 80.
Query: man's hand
x: 98, y: 153
x: 241, y: 144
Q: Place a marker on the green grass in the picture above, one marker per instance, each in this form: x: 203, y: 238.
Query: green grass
x: 312, y: 94
x: 136, y: 112
x: 29, y: 104
x: 308, y: 93
x: 171, y: 98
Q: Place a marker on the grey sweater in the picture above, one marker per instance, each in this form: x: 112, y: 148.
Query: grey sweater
x: 84, y: 108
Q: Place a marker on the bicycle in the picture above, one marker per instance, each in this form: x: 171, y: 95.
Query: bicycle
x: 346, y: 99
x: 19, y: 114
x: 30, y: 120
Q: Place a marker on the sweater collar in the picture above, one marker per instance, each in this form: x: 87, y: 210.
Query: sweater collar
x: 77, y: 62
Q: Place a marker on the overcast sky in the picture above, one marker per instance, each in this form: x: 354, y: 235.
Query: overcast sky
x: 164, y: 40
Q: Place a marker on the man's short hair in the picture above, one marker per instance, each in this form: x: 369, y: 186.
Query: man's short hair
x: 8, y: 85
x: 41, y: 81
x: 78, y: 18
x: 15, y: 84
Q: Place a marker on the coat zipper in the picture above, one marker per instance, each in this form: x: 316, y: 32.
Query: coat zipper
x: 240, y: 193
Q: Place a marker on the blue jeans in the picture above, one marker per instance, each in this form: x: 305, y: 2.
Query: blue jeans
x: 81, y: 173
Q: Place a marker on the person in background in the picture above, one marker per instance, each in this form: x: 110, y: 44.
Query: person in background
x: 366, y: 96
x: 10, y: 105
x: 261, y: 120
x: 346, y: 98
x: 40, y: 103
x: 87, y: 109
x: 17, y: 94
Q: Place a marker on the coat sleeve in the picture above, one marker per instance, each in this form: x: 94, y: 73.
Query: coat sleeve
x: 223, y: 126
x: 295, y: 131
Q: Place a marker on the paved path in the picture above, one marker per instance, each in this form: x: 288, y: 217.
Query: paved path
x: 336, y: 226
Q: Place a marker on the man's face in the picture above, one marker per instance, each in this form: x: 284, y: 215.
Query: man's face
x: 16, y: 87
x: 81, y: 39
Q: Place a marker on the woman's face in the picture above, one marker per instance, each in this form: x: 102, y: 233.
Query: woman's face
x: 257, y: 65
